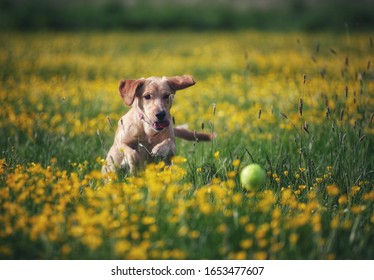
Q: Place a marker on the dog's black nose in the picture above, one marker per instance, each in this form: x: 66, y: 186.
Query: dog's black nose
x: 161, y: 115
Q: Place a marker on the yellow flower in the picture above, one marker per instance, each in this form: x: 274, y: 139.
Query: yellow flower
x: 357, y: 209
x: 147, y: 220
x: 194, y: 234
x: 222, y: 228
x: 231, y: 174
x: 332, y: 190
x: 319, y: 180
x: 368, y: 196
x: 343, y: 199
x: 183, y: 231
x: 66, y: 249
x: 5, y: 250
x: 347, y: 224
x: 355, y: 190
x: 243, y: 220
x: 242, y: 255
x: 206, y: 208
x: 260, y: 255
x: 178, y: 160
x: 137, y: 253
x: 334, y: 222
x: 237, y: 199
x: 236, y: 163
x: 246, y: 244
x: 262, y: 243
x: 250, y: 228
x: 293, y: 238
x: 216, y: 155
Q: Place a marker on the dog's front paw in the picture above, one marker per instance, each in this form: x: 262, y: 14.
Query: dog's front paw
x: 130, y: 161
x: 164, y: 149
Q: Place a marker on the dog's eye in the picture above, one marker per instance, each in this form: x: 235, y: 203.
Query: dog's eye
x: 148, y: 96
x: 166, y: 96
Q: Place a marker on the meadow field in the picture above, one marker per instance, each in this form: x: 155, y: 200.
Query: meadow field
x: 300, y: 105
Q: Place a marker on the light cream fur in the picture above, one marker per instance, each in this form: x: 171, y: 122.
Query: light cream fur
x: 146, y: 131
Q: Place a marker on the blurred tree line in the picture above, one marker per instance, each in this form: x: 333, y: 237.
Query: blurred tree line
x: 303, y: 15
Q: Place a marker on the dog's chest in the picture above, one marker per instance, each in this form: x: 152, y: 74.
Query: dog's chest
x: 148, y: 142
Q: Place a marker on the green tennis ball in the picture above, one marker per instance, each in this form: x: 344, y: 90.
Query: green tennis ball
x: 252, y: 177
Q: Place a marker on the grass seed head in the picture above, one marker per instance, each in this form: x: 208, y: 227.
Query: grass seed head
x: 109, y: 122
x: 327, y: 112
x: 284, y: 115
x: 341, y: 114
x: 301, y: 106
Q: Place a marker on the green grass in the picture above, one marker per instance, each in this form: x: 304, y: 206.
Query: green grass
x: 317, y: 202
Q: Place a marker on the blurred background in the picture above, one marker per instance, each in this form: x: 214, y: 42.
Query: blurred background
x: 292, y: 15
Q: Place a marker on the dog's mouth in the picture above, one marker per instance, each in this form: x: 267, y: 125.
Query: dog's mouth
x: 160, y: 125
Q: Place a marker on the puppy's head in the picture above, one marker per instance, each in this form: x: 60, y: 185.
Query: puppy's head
x: 153, y: 97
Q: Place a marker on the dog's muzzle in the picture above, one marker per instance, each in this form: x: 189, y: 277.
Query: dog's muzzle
x: 160, y: 125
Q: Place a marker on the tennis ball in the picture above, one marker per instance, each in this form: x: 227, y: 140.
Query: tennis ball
x: 252, y: 177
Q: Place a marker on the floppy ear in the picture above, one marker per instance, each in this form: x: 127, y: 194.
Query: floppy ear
x: 180, y: 82
x: 128, y: 90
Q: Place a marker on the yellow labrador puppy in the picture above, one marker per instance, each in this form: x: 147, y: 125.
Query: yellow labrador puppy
x: 146, y: 131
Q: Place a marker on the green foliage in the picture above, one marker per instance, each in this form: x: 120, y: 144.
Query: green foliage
x: 204, y: 15
x: 299, y: 105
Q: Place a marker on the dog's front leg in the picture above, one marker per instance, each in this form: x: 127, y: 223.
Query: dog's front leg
x: 131, y: 159
x: 165, y: 150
